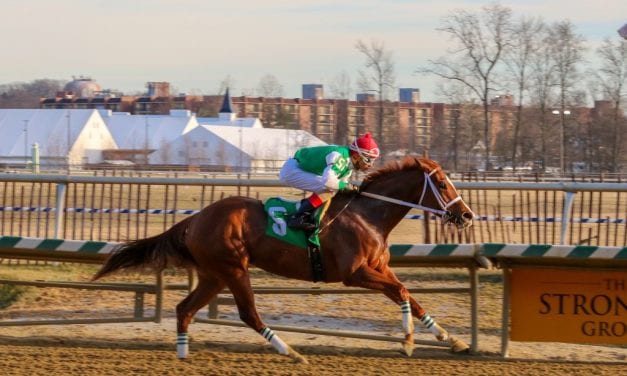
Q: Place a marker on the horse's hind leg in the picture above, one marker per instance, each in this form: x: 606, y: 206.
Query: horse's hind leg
x: 245, y: 301
x: 207, y: 288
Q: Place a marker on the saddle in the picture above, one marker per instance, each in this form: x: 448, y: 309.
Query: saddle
x: 279, y: 210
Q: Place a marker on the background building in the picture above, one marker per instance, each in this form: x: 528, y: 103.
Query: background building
x: 409, y: 95
x: 313, y: 91
x: 450, y: 133
x: 73, y: 137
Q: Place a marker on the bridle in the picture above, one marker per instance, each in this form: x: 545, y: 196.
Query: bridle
x: 428, y: 183
x: 438, y: 197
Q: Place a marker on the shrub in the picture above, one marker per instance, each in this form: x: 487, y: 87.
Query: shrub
x: 9, y: 294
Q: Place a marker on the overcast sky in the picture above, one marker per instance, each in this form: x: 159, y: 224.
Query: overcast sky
x: 196, y: 44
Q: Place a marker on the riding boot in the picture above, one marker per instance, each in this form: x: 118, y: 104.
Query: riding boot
x: 303, y: 218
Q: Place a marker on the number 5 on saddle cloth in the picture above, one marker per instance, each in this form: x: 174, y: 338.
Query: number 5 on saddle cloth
x: 279, y: 210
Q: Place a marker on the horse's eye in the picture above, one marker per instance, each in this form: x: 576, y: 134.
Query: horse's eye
x: 442, y: 185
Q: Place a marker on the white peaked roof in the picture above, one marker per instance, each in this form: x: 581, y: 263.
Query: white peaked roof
x: 232, y: 122
x: 265, y: 143
x: 219, y: 145
x: 139, y: 131
x: 50, y: 128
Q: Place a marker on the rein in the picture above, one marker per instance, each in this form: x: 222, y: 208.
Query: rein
x: 427, y: 183
x: 337, y: 215
x: 403, y: 203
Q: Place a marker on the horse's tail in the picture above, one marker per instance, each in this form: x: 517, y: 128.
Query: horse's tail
x: 154, y: 253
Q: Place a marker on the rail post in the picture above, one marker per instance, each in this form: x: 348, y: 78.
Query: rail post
x: 60, y: 209
x: 569, y: 197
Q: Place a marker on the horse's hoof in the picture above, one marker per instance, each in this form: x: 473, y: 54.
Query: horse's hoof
x: 408, y: 347
x: 297, y: 357
x: 408, y: 344
x: 458, y: 346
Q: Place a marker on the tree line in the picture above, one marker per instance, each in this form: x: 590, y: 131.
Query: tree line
x: 492, y: 51
x: 543, y: 65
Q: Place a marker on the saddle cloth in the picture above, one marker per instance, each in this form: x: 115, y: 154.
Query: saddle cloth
x: 278, y: 210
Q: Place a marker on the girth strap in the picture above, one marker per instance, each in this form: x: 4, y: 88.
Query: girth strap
x: 315, y: 260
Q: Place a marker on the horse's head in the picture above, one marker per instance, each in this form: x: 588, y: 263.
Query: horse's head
x: 439, y: 193
x: 418, y: 183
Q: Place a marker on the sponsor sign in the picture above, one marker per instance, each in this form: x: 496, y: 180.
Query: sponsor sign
x: 573, y: 306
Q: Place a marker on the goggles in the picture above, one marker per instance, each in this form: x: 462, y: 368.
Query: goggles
x: 367, y: 159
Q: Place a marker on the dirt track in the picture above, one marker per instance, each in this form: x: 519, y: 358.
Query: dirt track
x: 148, y: 348
x: 56, y: 355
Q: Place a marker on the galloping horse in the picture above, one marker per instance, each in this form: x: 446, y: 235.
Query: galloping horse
x: 225, y: 238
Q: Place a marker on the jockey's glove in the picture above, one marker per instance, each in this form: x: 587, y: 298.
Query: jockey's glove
x: 351, y: 188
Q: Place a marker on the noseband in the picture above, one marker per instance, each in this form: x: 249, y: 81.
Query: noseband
x: 428, y: 182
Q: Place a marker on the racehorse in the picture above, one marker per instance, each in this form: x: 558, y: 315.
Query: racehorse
x: 224, y: 239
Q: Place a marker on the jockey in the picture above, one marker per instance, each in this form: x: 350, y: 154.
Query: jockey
x: 324, y: 170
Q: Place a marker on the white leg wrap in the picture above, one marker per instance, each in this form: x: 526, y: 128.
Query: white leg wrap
x: 408, y: 321
x: 276, y: 342
x: 433, y: 327
x: 182, y: 345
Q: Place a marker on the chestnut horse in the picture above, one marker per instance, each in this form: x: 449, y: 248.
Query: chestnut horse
x: 223, y: 240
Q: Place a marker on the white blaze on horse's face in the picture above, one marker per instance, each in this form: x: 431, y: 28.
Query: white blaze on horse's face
x: 446, y: 196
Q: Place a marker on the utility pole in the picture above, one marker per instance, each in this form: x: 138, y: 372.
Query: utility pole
x: 380, y: 136
x: 25, y: 142
x: 69, y: 140
x: 562, y: 113
x: 146, y: 144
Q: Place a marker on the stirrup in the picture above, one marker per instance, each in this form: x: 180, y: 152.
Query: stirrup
x: 300, y: 222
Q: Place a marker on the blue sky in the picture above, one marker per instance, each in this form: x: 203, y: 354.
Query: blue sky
x: 196, y: 44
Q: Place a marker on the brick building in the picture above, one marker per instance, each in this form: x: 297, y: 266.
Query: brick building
x: 405, y: 127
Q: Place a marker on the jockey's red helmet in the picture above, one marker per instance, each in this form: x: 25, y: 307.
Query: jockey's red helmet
x: 366, y: 147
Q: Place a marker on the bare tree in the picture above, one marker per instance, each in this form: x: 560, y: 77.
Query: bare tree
x: 566, y: 50
x: 611, y: 78
x: 379, y: 74
x: 542, y: 82
x: 526, y: 42
x: 481, y: 40
x: 451, y: 140
x: 269, y: 86
x: 340, y: 86
x: 28, y: 94
x: 226, y: 83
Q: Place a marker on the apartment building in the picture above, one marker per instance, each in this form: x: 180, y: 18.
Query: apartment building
x: 407, y: 126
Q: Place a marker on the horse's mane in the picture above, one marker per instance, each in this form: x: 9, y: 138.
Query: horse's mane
x: 407, y: 163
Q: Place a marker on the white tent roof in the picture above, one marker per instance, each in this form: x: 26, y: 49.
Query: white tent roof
x: 139, y: 131
x: 265, y: 143
x: 43, y: 126
x: 261, y: 148
x: 236, y: 122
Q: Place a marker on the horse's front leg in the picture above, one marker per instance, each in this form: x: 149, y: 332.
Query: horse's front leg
x: 387, y: 282
x: 457, y: 345
x: 391, y: 287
